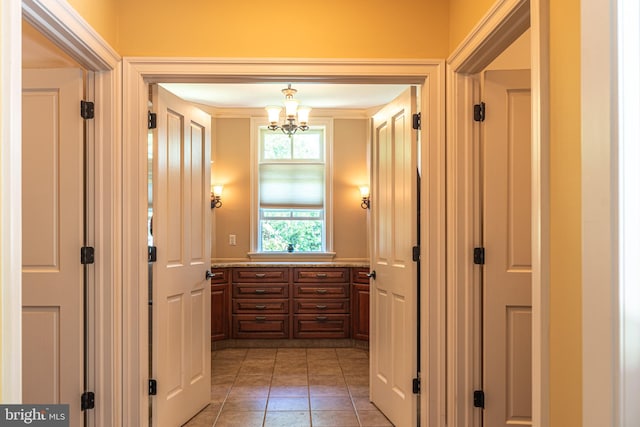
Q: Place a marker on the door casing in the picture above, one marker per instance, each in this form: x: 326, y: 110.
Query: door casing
x: 502, y: 24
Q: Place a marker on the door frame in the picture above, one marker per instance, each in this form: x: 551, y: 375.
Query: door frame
x: 502, y: 24
x: 138, y: 72
x: 63, y: 26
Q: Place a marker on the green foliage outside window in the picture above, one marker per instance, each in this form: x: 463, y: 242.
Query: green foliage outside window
x: 304, y: 235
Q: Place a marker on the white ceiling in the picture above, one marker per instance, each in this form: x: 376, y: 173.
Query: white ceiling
x: 259, y: 95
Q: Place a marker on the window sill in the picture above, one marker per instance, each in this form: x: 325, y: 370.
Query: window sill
x: 292, y: 256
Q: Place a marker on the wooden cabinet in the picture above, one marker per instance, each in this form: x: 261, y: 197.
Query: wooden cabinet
x: 220, y: 304
x: 321, y: 303
x: 260, y: 302
x: 290, y: 302
x: 360, y: 304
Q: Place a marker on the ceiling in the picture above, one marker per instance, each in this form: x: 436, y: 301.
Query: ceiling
x: 314, y: 95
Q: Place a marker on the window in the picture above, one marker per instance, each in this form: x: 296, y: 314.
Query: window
x: 292, y: 183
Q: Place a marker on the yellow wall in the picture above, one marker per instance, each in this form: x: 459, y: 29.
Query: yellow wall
x: 102, y: 15
x: 463, y: 16
x: 231, y: 167
x: 566, y: 277
x: 254, y: 28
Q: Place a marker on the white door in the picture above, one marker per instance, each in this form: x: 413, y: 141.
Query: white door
x: 393, y: 339
x: 52, y: 235
x: 507, y: 241
x: 181, y: 352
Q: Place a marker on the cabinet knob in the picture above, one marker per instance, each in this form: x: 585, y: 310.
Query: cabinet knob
x: 321, y: 318
x: 260, y: 307
x: 259, y: 318
x: 321, y: 291
x: 321, y: 275
x: 321, y: 307
x: 260, y: 275
x: 259, y: 291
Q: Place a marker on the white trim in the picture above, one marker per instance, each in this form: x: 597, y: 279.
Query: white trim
x: 58, y: 21
x: 628, y: 105
x: 502, y: 24
x: 66, y: 28
x: 10, y: 203
x: 428, y: 73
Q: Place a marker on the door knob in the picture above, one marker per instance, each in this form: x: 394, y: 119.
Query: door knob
x: 372, y: 275
x: 208, y: 275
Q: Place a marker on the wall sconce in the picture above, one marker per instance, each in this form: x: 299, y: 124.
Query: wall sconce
x: 216, y: 195
x: 366, y: 201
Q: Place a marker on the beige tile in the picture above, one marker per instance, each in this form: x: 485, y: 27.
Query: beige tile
x: 322, y: 354
x: 288, y: 404
x: 290, y: 369
x: 352, y: 353
x: 334, y: 419
x: 206, y: 417
x: 240, y: 419
x: 286, y: 380
x: 219, y: 392
x: 363, y: 404
x: 289, y: 391
x: 326, y: 380
x: 328, y: 390
x: 261, y: 354
x: 373, y: 419
x: 244, y: 403
x: 331, y: 403
x: 291, y: 354
x: 248, y: 390
x: 252, y: 380
x: 230, y: 353
x: 287, y: 419
x: 359, y: 390
x: 325, y: 370
x: 223, y: 379
x: 357, y: 379
x: 256, y: 367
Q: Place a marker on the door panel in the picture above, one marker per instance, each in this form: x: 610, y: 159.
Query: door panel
x: 181, y: 361
x: 52, y: 221
x: 393, y: 340
x: 507, y: 241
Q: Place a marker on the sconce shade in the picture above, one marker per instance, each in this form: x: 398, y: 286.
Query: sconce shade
x: 274, y: 114
x: 217, y: 190
x: 364, y: 190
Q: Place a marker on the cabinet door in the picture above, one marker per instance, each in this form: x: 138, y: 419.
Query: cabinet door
x: 360, y: 312
x: 220, y: 312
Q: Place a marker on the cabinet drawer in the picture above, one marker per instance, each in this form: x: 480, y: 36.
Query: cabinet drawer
x: 219, y: 275
x: 260, y: 306
x: 320, y: 291
x: 320, y: 275
x: 256, y: 290
x: 321, y: 326
x: 320, y: 306
x: 261, y: 275
x: 360, y: 275
x: 260, y: 326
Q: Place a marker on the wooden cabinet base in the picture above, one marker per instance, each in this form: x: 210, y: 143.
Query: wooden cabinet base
x: 321, y: 326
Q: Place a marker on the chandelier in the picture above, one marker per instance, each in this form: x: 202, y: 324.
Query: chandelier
x: 292, y: 111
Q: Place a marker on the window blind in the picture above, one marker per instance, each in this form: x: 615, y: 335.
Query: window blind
x: 291, y: 185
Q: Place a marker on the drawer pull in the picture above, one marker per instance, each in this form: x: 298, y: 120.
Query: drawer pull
x: 260, y: 275
x: 321, y: 318
x: 259, y: 291
x: 321, y: 275
x: 321, y: 291
x: 321, y: 307
x: 259, y: 318
x: 260, y: 307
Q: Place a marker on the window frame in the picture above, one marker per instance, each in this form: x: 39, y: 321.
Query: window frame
x: 255, y: 153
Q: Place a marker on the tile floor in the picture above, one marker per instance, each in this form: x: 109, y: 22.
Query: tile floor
x: 297, y: 387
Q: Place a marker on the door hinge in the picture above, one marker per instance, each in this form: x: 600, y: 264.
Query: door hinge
x: 417, y: 121
x: 416, y: 253
x: 87, y: 400
x: 479, y: 112
x: 87, y: 110
x: 478, y: 399
x: 152, y: 120
x: 153, y: 254
x: 153, y: 387
x: 87, y: 255
x: 478, y: 256
x: 416, y: 385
